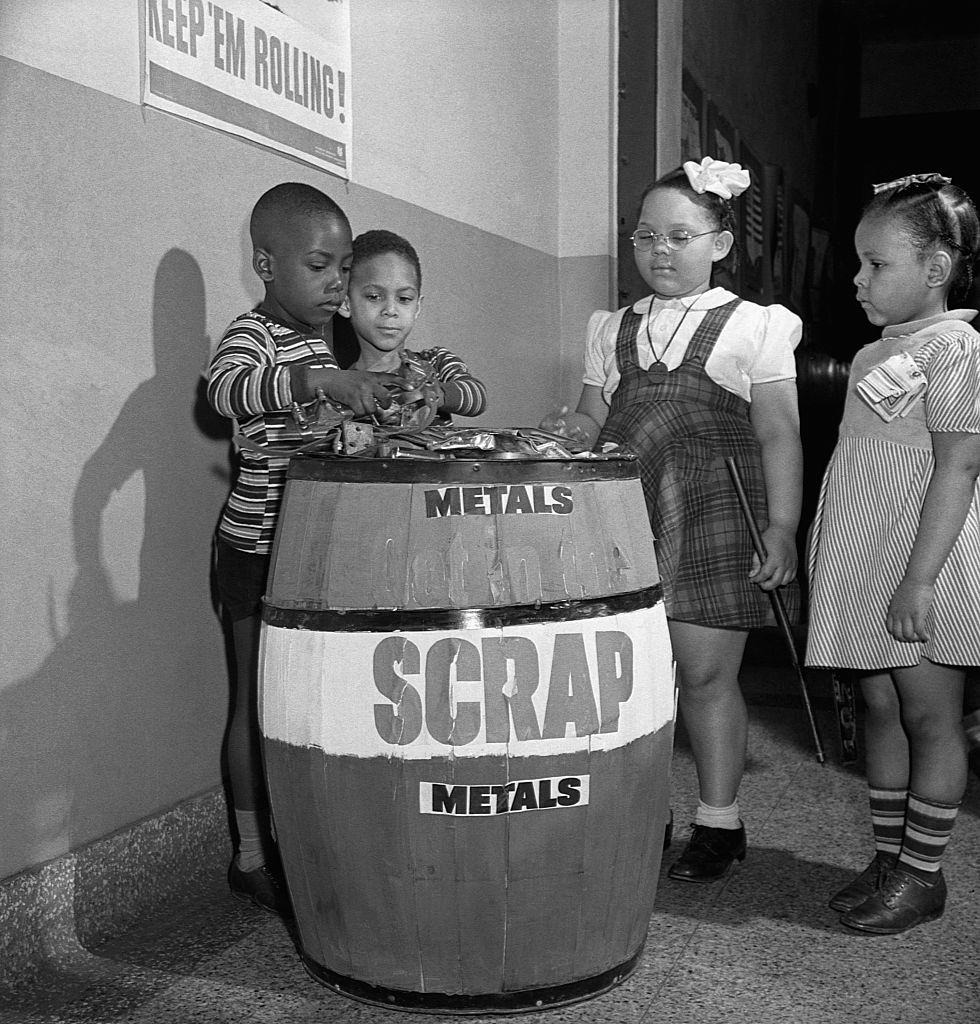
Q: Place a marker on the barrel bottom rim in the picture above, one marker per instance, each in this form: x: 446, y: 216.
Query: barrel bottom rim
x: 520, y: 1001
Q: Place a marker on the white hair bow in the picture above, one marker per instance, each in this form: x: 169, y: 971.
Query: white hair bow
x: 724, y: 179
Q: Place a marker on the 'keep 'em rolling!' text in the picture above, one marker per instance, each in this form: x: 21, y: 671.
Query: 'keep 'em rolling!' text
x: 202, y: 29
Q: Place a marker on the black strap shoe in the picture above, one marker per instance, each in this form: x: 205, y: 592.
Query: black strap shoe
x: 263, y: 887
x: 709, y: 854
x: 903, y: 900
x: 865, y: 885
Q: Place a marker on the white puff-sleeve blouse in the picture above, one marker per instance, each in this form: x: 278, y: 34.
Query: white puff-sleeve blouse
x: 755, y: 347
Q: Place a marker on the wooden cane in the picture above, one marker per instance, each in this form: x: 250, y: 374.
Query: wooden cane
x: 778, y: 607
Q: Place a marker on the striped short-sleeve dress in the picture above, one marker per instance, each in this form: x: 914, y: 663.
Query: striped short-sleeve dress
x: 870, y: 506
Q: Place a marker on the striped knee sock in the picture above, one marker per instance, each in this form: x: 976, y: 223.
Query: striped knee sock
x: 928, y: 826
x: 888, y: 818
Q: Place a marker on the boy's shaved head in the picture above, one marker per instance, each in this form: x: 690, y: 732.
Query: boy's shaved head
x: 283, y: 203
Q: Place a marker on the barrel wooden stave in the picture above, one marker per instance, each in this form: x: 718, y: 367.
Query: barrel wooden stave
x: 344, y: 545
x: 548, y: 887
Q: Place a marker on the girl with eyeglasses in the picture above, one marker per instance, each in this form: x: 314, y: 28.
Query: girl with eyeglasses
x: 685, y: 377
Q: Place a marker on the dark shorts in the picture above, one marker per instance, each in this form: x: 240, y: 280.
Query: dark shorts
x: 240, y: 578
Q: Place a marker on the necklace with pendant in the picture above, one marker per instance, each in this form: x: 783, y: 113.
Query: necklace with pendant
x: 657, y: 371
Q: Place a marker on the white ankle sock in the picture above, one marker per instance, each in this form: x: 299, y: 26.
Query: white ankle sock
x: 718, y: 817
x: 250, y: 855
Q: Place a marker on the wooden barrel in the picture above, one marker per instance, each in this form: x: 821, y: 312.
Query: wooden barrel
x: 467, y: 708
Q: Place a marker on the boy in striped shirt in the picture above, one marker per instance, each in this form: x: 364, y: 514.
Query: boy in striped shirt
x: 269, y: 362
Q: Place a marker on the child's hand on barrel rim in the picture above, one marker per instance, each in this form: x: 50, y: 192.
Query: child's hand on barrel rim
x: 554, y: 422
x: 557, y: 422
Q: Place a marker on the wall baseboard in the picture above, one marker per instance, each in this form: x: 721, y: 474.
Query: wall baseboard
x: 52, y: 915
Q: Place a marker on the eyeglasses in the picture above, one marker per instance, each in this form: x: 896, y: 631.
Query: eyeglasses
x: 644, y: 240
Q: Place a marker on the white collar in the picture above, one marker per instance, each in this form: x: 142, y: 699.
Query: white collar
x: 710, y: 299
x: 914, y: 326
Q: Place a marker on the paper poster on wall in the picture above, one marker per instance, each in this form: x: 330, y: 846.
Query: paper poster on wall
x: 692, y: 118
x: 774, y: 199
x: 247, y: 68
x: 721, y: 143
x: 819, y: 271
x: 799, y: 256
x: 753, y: 229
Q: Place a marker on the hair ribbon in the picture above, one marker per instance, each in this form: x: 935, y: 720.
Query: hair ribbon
x: 718, y: 176
x: 912, y: 179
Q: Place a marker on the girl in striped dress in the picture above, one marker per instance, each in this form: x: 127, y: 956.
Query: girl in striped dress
x: 895, y: 551
x: 684, y: 378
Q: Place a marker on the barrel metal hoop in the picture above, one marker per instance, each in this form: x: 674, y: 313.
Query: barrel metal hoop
x: 394, y: 620
x: 445, y: 472
x: 463, y: 1003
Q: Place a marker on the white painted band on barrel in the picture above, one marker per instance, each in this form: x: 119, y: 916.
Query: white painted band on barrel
x: 527, y: 690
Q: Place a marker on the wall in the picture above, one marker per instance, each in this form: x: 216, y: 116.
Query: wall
x: 482, y: 132
x: 758, y: 60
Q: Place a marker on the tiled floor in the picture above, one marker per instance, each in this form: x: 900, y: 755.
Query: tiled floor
x: 759, y: 947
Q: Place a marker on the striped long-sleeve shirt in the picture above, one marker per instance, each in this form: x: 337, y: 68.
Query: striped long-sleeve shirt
x: 450, y: 369
x: 248, y: 381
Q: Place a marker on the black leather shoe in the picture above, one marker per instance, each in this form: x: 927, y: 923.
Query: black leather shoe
x: 263, y: 887
x: 709, y: 854
x: 865, y: 885
x: 902, y: 901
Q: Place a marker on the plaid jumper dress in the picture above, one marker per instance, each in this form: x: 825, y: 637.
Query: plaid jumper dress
x: 681, y: 430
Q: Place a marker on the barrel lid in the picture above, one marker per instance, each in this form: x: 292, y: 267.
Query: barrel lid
x: 374, y: 449
x: 441, y: 452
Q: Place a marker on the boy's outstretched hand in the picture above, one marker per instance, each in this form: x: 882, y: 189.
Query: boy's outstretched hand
x: 363, y: 391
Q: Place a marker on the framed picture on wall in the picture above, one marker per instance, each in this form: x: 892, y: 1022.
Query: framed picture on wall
x: 799, y: 255
x: 820, y: 271
x: 692, y: 118
x: 752, y: 228
x: 774, y: 217
x: 720, y: 141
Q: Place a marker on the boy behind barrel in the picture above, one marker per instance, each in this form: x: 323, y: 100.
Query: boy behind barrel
x: 269, y: 362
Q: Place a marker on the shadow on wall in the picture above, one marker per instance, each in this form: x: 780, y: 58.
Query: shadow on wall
x: 124, y: 716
